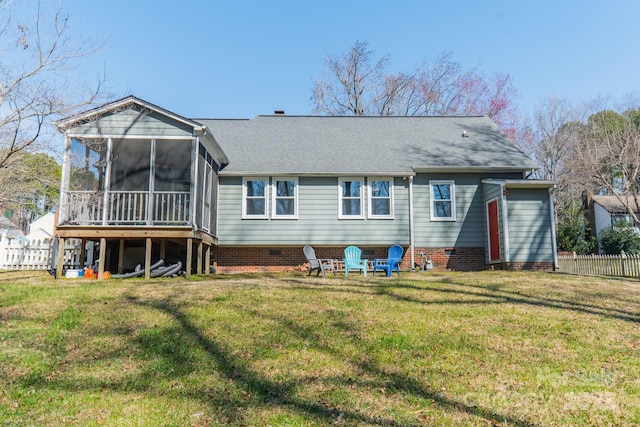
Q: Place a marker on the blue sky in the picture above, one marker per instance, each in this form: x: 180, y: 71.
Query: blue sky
x: 244, y: 58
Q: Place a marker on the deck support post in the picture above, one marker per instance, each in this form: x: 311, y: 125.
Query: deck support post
x: 147, y: 258
x: 187, y: 268
x: 199, y: 257
x: 207, y: 260
x: 103, y: 253
x: 83, y: 253
x: 163, y: 248
x: 60, y: 260
x: 121, y: 257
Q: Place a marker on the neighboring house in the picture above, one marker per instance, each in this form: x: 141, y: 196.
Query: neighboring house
x: 9, y: 229
x: 42, y: 228
x: 607, y: 211
x: 254, y: 192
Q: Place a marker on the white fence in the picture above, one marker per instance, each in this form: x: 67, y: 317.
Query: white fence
x: 622, y: 265
x: 23, y: 254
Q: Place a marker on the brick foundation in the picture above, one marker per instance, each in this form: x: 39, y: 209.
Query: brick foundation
x: 453, y: 259
x: 279, y: 259
x: 535, y: 266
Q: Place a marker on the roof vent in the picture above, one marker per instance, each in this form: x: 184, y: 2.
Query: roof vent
x: 465, y: 134
x: 279, y: 112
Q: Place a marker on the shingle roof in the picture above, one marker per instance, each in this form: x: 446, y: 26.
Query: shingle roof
x: 613, y: 205
x: 367, y: 145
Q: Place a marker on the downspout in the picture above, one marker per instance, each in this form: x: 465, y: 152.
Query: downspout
x: 554, y: 242
x: 505, y: 224
x: 411, y: 238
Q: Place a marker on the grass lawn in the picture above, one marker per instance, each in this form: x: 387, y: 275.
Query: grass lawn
x: 445, y: 349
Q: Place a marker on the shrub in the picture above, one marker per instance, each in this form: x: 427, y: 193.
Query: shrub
x: 623, y: 237
x: 573, y: 235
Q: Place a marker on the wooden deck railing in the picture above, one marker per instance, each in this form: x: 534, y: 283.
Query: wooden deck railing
x: 127, y: 208
x: 622, y: 265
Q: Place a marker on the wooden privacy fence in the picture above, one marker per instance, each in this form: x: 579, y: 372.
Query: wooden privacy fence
x: 622, y: 265
x: 24, y: 254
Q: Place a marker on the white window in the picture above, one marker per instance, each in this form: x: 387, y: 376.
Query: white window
x: 254, y: 197
x: 380, y: 197
x: 285, y: 198
x: 350, y: 198
x: 443, y: 204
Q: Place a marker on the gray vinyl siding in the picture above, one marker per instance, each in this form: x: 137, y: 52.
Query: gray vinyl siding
x: 469, y: 227
x: 317, y: 222
x: 530, y: 228
x: 493, y: 191
x: 130, y: 122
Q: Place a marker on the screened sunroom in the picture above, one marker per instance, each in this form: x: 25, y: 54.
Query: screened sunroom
x: 134, y: 167
x: 136, y: 181
x: 132, y: 170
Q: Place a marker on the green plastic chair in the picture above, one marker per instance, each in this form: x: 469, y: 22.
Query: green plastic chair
x: 352, y: 260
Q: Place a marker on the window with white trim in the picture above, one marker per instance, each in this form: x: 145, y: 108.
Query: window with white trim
x: 350, y: 198
x: 254, y: 197
x: 380, y: 197
x: 443, y: 206
x: 285, y: 198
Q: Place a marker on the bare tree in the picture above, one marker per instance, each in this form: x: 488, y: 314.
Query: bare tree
x: 551, y: 137
x: 357, y: 84
x: 36, y: 57
x: 609, y: 155
x: 353, y: 85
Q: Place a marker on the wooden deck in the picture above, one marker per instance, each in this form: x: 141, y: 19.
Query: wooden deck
x: 103, y: 233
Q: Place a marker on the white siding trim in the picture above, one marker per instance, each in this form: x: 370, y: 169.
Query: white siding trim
x: 505, y: 225
x: 554, y: 243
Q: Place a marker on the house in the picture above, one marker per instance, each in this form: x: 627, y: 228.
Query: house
x: 607, y: 211
x: 42, y: 228
x: 9, y: 229
x: 248, y: 194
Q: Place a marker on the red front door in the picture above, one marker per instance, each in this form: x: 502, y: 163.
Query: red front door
x: 494, y: 231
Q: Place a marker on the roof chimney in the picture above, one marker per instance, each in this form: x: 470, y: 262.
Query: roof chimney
x: 279, y: 112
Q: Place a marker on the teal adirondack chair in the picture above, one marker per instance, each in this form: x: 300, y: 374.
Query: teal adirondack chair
x: 352, y: 260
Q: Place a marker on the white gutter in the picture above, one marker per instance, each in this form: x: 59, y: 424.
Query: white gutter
x: 411, y: 248
x: 505, y: 224
x: 314, y: 174
x: 554, y: 243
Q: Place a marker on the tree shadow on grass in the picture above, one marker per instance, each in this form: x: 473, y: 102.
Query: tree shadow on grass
x: 476, y: 294
x: 265, y: 391
x: 262, y: 391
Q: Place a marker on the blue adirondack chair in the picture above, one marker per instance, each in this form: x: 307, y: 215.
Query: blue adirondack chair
x: 352, y: 260
x: 391, y: 262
